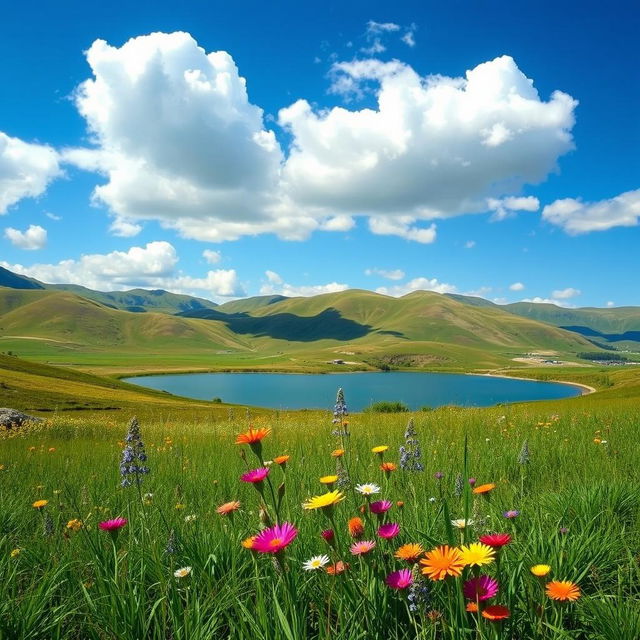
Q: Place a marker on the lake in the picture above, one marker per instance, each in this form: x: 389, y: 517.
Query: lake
x: 318, y: 391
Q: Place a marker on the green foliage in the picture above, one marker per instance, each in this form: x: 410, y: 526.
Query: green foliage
x: 387, y: 407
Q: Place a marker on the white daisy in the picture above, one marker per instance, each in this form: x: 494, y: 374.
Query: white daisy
x: 317, y: 562
x: 368, y: 489
x: 182, y: 573
x: 461, y: 523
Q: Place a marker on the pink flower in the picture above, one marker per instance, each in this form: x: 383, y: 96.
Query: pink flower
x: 380, y: 506
x: 389, y: 530
x: 496, y: 539
x: 328, y: 535
x: 275, y: 538
x: 480, y: 588
x: 255, y: 475
x: 113, y: 525
x: 400, y: 579
x: 362, y: 547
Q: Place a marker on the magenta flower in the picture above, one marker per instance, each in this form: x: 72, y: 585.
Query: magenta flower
x: 380, y: 506
x: 113, y: 525
x: 362, y: 547
x: 275, y: 538
x: 496, y: 540
x: 400, y: 579
x: 389, y: 530
x: 328, y: 535
x: 480, y: 588
x: 255, y: 475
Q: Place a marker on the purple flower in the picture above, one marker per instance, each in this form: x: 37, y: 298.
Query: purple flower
x: 472, y: 481
x: 480, y: 588
x: 511, y: 514
x: 564, y: 530
x: 388, y: 531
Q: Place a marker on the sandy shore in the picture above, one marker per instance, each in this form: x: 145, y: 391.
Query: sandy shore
x: 585, y: 388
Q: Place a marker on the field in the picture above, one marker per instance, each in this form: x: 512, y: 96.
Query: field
x: 568, y: 469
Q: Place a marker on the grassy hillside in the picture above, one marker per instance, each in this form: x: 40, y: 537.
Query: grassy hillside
x: 249, y: 304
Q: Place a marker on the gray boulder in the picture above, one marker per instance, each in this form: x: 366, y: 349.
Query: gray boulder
x: 10, y: 418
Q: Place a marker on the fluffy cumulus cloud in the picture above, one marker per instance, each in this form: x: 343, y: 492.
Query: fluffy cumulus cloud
x: 507, y: 207
x: 25, y: 170
x: 153, y: 265
x: 212, y: 257
x: 516, y: 286
x: 389, y: 274
x: 417, y: 284
x: 35, y: 237
x: 565, y: 294
x: 276, y: 285
x: 576, y: 217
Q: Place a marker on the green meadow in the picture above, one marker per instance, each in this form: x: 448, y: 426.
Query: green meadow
x: 567, y: 468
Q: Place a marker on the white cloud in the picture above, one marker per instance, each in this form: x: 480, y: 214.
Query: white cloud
x: 52, y: 216
x: 25, y: 170
x: 35, y: 237
x: 506, y: 207
x: 565, y: 294
x: 409, y: 37
x: 555, y: 301
x: 516, y: 286
x: 394, y: 274
x: 469, y: 244
x: 402, y: 227
x: 576, y: 217
x: 375, y: 28
x: 124, y: 228
x: 418, y: 284
x: 273, y: 277
x: 153, y: 265
x: 212, y: 257
x: 277, y: 286
x: 611, y: 303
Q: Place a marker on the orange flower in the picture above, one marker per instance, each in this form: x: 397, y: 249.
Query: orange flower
x: 495, y: 612
x: 472, y: 607
x: 247, y: 543
x: 281, y: 460
x: 253, y: 435
x: 563, y: 590
x: 409, y: 552
x: 484, y: 488
x: 337, y: 568
x: 228, y: 507
x: 356, y: 527
x: 38, y: 504
x: 388, y: 467
x: 337, y: 453
x: 442, y: 562
x: 400, y: 504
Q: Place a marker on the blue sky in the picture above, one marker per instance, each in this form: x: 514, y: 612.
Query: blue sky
x: 459, y: 147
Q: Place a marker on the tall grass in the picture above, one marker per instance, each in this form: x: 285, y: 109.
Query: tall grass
x: 577, y: 497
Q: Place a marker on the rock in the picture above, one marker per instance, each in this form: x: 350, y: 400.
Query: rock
x: 10, y: 418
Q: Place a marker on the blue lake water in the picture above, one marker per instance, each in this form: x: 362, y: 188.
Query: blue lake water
x: 317, y: 391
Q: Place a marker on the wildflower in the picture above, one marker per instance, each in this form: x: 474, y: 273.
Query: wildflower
x: 480, y: 588
x: 438, y: 475
x: 511, y: 514
x: 255, y: 476
x: 356, y: 527
x: 400, y: 504
x: 362, y: 547
x: 133, y: 456
x: 337, y: 453
x: 47, y: 525
x: 409, y: 552
x: 388, y: 467
x: 418, y: 596
x: 472, y: 607
x: 410, y: 453
x: 368, y: 489
x: 441, y: 562
x: 484, y: 488
x: 328, y: 480
x: 182, y: 573
x: 379, y: 507
x: 496, y: 539
x: 171, y: 545
x: 343, y: 475
x: 380, y: 449
x: 328, y: 535
x: 471, y: 481
x: 461, y: 523
x: 563, y: 590
x: 147, y: 498
x: 39, y: 504
x: 317, y: 562
x: 282, y: 460
x: 477, y: 554
x: 253, y: 436
x: 496, y: 612
x: 228, y: 508
x: 540, y: 570
x: 458, y: 486
x: 340, y: 412
x: 15, y: 552
x: 524, y: 456
x: 190, y: 518
x: 389, y: 530
x: 74, y: 525
x: 337, y: 568
x: 248, y: 543
x: 113, y: 525
x: 326, y: 501
x: 564, y: 530
x: 275, y: 538
x: 400, y: 579
x: 52, y: 449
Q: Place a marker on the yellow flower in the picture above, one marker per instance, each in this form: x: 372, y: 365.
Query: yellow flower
x: 337, y: 453
x: 540, y: 570
x: 2, y: 467
x: 328, y: 479
x: 476, y: 554
x: 379, y: 449
x: 38, y: 504
x: 16, y: 552
x: 179, y: 506
x: 75, y: 524
x: 325, y: 501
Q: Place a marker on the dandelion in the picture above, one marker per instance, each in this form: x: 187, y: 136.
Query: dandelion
x: 15, y: 552
x: 496, y: 540
x: 337, y: 568
x: 540, y: 570
x: 389, y: 530
x: 275, y: 539
x: 563, y: 590
x: 380, y: 449
x: 368, y: 489
x: 484, y: 488
x: 510, y: 515
x: 441, y: 562
x: 317, y: 562
x: 182, y: 573
x: 477, y: 554
x: 410, y: 552
x: 328, y: 480
x: 74, y: 525
x: 133, y: 456
x: 255, y: 476
x: 380, y: 507
x: 356, y: 527
x: 326, y: 501
x: 362, y: 547
x: 228, y: 508
x: 480, y: 588
x: 40, y: 504
x: 400, y: 579
x: 337, y: 453
x: 248, y: 543
x: 496, y: 612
